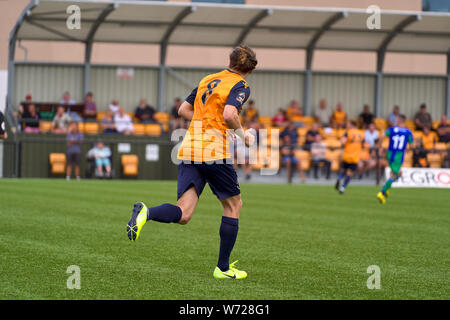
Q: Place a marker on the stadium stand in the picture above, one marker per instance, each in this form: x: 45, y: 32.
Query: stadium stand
x: 57, y: 163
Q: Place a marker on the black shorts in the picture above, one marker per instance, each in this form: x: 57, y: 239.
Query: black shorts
x: 221, y: 177
x: 73, y: 159
x: 349, y: 166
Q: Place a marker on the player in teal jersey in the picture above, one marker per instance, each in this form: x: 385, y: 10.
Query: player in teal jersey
x: 399, y: 138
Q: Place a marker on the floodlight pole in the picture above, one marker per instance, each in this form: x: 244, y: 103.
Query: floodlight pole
x: 163, y: 53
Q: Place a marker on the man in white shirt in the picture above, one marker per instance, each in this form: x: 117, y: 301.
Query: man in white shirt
x: 124, y: 124
x: 371, y: 135
x: 114, y: 106
x: 322, y: 114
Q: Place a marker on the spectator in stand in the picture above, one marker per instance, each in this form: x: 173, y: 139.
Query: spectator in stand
x: 250, y: 113
x: 107, y: 124
x: 74, y: 141
x: 291, y: 131
x: 323, y: 115
x: 318, y: 151
x: 293, y: 110
x: 422, y: 118
x: 371, y: 135
x: 339, y: 117
x: 90, y: 108
x: 102, y: 156
x: 280, y: 119
x: 144, y: 112
x: 366, y: 117
x: 428, y: 139
x: 311, y: 136
x: 176, y: 120
x: 66, y: 99
x: 124, y: 124
x: 22, y: 108
x: 288, y: 159
x: 61, y: 121
x: 367, y: 160
x: 30, y: 119
x: 392, y: 117
x: 114, y: 106
x: 443, y: 130
x: 3, y: 133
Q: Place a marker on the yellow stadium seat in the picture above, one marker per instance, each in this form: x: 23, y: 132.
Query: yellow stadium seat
x: 80, y: 126
x: 101, y: 115
x: 434, y: 160
x: 130, y: 164
x: 328, y: 133
x: 408, y: 160
x: 334, y: 156
x: 441, y: 146
x: 162, y: 117
x: 435, y: 124
x: 385, y: 143
x: 91, y: 127
x: 305, y: 159
x: 332, y: 143
x: 57, y: 163
x: 380, y: 123
x: 417, y: 135
x: 138, y: 129
x: 410, y: 125
x: 45, y: 126
x: 265, y: 121
x: 153, y: 129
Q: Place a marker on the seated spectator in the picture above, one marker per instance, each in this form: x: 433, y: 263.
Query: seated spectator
x: 366, y: 117
x: 288, y: 159
x: 443, y: 130
x: 123, y: 122
x: 102, y: 155
x: 28, y: 101
x: 422, y: 118
x: 145, y: 113
x: 291, y: 131
x: 311, y: 136
x: 371, y: 135
x: 323, y: 115
x: 114, y: 106
x: 74, y: 141
x: 293, y: 110
x: 318, y: 151
x: 392, y: 117
x: 176, y: 121
x: 61, y: 121
x: 339, y: 117
x: 250, y: 113
x: 90, y: 108
x: 428, y: 139
x: 3, y: 133
x: 30, y: 119
x: 66, y: 99
x: 107, y: 124
x: 280, y: 119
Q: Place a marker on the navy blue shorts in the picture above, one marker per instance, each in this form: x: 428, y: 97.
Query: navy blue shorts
x: 349, y: 166
x: 221, y: 177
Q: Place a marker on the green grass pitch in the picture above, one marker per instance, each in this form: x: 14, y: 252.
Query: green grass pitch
x: 295, y: 242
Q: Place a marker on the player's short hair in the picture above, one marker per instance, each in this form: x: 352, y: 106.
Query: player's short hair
x: 243, y: 59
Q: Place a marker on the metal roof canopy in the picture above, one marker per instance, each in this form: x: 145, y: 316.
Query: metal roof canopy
x: 227, y: 25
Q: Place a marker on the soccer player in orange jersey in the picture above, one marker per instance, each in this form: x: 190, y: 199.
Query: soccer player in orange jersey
x: 353, y: 142
x: 213, y: 108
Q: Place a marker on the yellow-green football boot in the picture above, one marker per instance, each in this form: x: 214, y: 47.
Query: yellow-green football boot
x: 137, y: 221
x: 381, y: 197
x: 231, y: 273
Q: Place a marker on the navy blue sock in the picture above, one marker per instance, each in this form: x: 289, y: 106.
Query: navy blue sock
x: 341, y: 175
x: 228, y: 233
x: 166, y: 213
x: 346, y: 181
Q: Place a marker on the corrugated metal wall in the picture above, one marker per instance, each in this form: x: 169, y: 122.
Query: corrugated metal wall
x: 270, y: 90
x: 410, y: 92
x: 47, y: 82
x: 353, y: 90
x: 107, y: 86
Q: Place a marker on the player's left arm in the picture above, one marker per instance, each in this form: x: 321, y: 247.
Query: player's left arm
x: 186, y: 110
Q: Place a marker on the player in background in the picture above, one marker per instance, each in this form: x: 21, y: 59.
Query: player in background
x: 399, y: 138
x: 353, y: 142
x: 3, y: 133
x: 214, y: 105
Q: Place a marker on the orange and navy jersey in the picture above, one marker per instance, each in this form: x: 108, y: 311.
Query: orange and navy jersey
x: 353, y: 146
x: 206, y: 138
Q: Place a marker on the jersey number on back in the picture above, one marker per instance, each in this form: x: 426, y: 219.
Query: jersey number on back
x: 211, y: 86
x: 399, y: 141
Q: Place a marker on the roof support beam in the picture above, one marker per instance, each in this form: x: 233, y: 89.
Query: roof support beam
x: 309, y: 58
x: 58, y: 33
x: 244, y: 33
x: 381, y: 54
x: 163, y: 53
x: 89, y: 42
